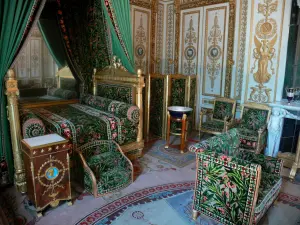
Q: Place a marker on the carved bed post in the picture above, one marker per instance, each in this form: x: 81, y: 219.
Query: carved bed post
x: 139, y: 102
x: 12, y: 93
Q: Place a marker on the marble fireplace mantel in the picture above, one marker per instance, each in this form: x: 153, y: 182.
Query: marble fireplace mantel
x: 280, y: 110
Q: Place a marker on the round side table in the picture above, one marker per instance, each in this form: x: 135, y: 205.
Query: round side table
x: 183, y: 131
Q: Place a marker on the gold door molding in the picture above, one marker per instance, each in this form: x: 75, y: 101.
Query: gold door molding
x: 264, y: 50
x: 189, y: 4
x: 141, y: 3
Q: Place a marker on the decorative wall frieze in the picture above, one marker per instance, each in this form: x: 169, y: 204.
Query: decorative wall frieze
x: 159, y: 39
x: 241, y: 48
x: 170, y: 37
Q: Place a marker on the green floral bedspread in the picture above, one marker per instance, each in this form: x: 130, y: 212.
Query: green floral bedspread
x: 82, y: 124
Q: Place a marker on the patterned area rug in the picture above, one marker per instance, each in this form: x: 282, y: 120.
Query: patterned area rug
x: 172, y: 154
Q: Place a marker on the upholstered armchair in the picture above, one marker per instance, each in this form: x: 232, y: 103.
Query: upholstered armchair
x: 233, y: 186
x: 106, y: 168
x: 219, y: 118
x: 253, y: 126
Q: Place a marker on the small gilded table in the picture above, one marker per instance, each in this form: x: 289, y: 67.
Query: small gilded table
x: 46, y: 160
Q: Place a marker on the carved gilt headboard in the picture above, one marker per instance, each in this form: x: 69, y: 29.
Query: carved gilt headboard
x: 117, y: 84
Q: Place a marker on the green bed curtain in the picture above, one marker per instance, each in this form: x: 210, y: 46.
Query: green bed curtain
x: 16, y: 19
x: 51, y: 35
x: 84, y: 34
x: 117, y: 13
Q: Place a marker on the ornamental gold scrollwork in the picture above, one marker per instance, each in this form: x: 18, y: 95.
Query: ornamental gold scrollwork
x: 140, y: 49
x: 214, y: 52
x: 188, y: 4
x: 190, y: 51
x: 264, y: 52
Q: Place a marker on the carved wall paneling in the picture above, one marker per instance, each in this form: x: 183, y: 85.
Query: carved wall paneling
x: 159, y: 39
x: 170, y: 38
x: 266, y: 30
x: 192, y: 4
x: 141, y: 19
x: 34, y: 65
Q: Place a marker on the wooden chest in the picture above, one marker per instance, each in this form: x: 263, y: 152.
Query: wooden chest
x: 46, y: 160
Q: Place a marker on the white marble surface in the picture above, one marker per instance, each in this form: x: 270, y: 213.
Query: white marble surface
x: 294, y: 105
x: 43, y: 140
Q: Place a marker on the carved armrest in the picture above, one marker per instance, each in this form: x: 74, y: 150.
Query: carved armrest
x: 207, y: 112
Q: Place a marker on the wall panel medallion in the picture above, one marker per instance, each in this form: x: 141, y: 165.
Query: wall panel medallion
x: 141, y: 36
x: 190, y: 42
x: 265, y: 50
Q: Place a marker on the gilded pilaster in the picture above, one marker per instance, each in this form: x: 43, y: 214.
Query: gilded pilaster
x: 12, y: 93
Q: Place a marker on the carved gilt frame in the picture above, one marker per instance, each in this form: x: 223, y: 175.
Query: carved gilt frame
x: 231, y: 31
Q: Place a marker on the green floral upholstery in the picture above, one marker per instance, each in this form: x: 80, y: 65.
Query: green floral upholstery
x: 234, y: 186
x: 213, y: 125
x: 62, y: 93
x: 105, y: 163
x: 222, y: 109
x: 222, y: 114
x: 253, y: 128
x: 116, y: 92
x: 119, y: 109
x: 32, y: 125
x: 254, y: 119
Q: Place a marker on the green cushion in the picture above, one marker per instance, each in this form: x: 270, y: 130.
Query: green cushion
x: 222, y: 109
x: 213, y: 125
x: 253, y: 119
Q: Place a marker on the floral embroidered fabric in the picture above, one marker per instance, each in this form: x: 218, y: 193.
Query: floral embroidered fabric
x: 213, y: 125
x: 62, y: 93
x: 222, y: 109
x: 228, y: 177
x: 32, y: 126
x: 254, y: 119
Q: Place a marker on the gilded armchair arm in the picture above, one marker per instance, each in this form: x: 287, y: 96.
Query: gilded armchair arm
x: 88, y: 170
x: 203, y: 112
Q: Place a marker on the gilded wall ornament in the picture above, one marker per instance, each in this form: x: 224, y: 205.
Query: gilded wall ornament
x: 190, y: 51
x: 214, y: 52
x: 169, y: 68
x: 159, y: 38
x: 264, y: 52
x: 140, y: 43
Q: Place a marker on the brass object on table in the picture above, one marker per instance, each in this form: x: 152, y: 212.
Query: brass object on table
x: 47, y: 169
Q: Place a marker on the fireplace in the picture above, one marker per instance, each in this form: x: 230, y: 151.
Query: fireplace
x: 290, y: 134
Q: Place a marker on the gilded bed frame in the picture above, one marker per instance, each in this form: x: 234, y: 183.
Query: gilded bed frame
x: 110, y: 75
x: 117, y: 75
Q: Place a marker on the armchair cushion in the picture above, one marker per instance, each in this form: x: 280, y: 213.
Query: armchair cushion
x: 254, y: 119
x: 213, y: 125
x: 111, y: 169
x: 222, y: 109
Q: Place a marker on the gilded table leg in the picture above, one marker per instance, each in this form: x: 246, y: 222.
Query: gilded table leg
x: 195, y: 214
x: 183, y: 134
x: 293, y: 171
x: 168, y: 131
x: 70, y: 203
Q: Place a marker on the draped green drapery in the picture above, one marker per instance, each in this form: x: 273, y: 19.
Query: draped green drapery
x: 117, y: 13
x: 16, y: 18
x: 84, y: 34
x: 52, y: 37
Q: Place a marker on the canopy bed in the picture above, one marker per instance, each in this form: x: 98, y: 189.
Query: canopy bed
x: 113, y: 112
